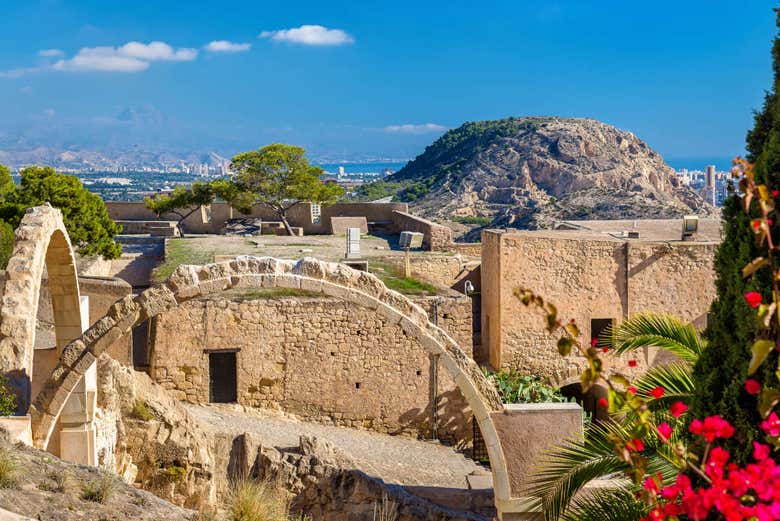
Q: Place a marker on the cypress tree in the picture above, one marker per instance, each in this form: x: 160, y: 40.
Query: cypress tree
x: 722, y: 369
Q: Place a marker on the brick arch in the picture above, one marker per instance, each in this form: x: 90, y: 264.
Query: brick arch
x: 41, y: 245
x: 331, y: 279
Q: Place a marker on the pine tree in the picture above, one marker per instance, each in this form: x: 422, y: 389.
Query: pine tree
x: 722, y: 369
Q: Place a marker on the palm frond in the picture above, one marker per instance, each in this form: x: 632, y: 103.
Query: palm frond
x: 606, y: 505
x: 675, y: 378
x: 655, y: 330
x: 568, y: 467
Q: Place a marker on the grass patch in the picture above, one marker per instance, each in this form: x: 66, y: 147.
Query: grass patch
x: 270, y: 293
x: 99, y: 490
x: 142, y: 411
x: 258, y: 501
x: 464, y: 219
x: 9, y: 468
x: 393, y: 278
x: 181, y: 251
x: 59, y: 482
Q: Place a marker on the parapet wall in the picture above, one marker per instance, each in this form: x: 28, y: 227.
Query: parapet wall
x: 322, y: 359
x: 212, y: 219
x: 436, y: 237
x: 586, y: 278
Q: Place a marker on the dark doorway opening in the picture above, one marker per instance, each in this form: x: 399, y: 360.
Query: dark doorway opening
x: 222, y: 377
x: 598, y: 329
x: 588, y: 400
x: 140, y: 339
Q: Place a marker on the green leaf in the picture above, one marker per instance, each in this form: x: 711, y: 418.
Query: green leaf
x: 564, y: 345
x: 760, y: 349
x: 769, y: 398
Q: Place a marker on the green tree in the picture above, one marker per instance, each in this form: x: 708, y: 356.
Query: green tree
x: 281, y: 177
x: 7, y: 185
x: 85, y: 216
x: 182, y: 202
x: 732, y: 327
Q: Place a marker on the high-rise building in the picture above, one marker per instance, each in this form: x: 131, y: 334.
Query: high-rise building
x: 709, y: 184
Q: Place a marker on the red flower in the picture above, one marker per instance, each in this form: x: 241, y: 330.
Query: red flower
x: 635, y: 444
x: 657, y: 393
x: 775, y: 193
x: 760, y: 451
x: 677, y: 409
x: 714, y: 427
x: 604, y: 349
x: 632, y: 389
x: 594, y: 342
x: 603, y: 403
x: 753, y: 298
x: 632, y: 363
x: 771, y: 425
x: 752, y: 386
x: 665, y: 430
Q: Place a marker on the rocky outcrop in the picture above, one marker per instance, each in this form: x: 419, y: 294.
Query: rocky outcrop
x: 160, y: 447
x: 48, y: 488
x: 528, y: 172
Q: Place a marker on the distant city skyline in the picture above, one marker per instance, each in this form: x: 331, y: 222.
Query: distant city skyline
x: 357, y: 81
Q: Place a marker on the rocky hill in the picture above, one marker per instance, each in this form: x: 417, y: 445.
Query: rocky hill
x: 528, y: 172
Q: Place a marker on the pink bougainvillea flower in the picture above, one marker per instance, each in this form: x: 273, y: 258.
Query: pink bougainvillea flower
x: 752, y: 386
x: 594, y: 342
x: 760, y: 451
x: 753, y: 298
x: 632, y: 363
x: 632, y: 389
x: 775, y: 193
x: 657, y: 393
x: 635, y: 444
x: 603, y: 403
x: 604, y: 349
x: 677, y: 409
x: 713, y: 427
x: 665, y: 430
x: 771, y: 425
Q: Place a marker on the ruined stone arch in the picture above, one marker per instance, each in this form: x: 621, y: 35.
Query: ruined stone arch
x: 247, y: 272
x: 41, y: 246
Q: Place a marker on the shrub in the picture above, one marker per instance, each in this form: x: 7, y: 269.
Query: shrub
x: 258, y: 501
x: 468, y: 219
x: 9, y: 468
x: 99, y: 490
x: 7, y: 398
x: 142, y: 411
x: 515, y: 387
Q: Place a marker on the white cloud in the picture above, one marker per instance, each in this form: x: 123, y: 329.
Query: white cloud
x: 425, y: 128
x: 310, y: 35
x: 49, y: 53
x: 226, y: 46
x: 130, y: 57
x: 21, y: 71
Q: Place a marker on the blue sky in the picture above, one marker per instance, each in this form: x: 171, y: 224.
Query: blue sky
x: 377, y: 78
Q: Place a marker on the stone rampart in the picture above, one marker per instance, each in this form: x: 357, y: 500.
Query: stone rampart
x: 435, y: 236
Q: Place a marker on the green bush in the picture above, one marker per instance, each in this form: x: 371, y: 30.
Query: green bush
x: 478, y: 220
x: 515, y: 387
x: 7, y: 398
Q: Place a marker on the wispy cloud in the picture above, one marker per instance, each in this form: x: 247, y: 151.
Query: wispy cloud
x: 226, y: 46
x: 49, y: 53
x: 310, y: 35
x: 424, y: 128
x: 130, y: 57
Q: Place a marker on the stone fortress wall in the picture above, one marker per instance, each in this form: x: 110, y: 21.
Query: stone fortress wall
x: 587, y: 276
x: 321, y: 359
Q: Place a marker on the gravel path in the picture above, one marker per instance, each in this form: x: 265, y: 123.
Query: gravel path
x: 394, y: 459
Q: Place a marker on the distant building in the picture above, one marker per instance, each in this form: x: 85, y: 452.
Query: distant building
x: 709, y: 184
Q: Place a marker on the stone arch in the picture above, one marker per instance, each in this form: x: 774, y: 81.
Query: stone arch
x: 41, y: 244
x: 331, y: 279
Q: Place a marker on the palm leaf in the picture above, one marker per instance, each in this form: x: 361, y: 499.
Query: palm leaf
x: 606, y: 505
x: 675, y: 378
x: 655, y: 330
x: 569, y: 466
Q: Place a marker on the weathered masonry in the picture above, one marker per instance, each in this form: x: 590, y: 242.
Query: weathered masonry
x: 593, y: 277
x: 322, y: 359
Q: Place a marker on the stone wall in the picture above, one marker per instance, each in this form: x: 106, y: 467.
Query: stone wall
x: 586, y: 277
x: 322, y: 359
x: 444, y: 271
x: 436, y: 237
x: 212, y: 219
